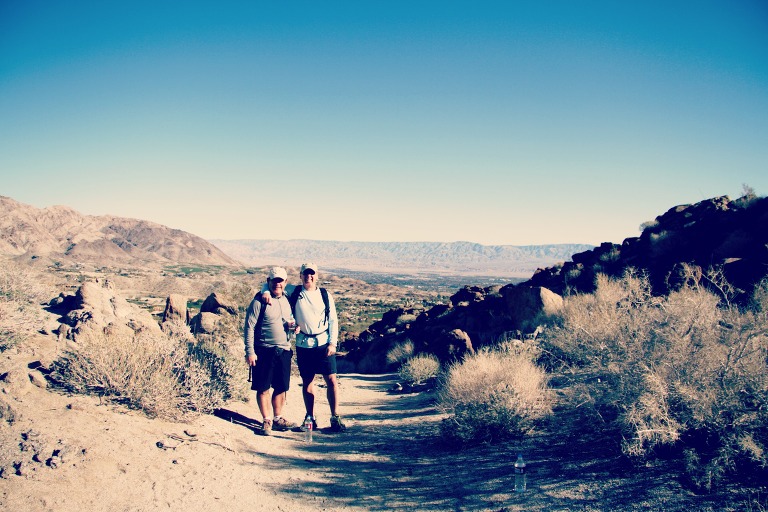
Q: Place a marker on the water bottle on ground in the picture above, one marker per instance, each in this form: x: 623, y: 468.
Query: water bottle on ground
x: 520, y: 476
x: 308, y: 429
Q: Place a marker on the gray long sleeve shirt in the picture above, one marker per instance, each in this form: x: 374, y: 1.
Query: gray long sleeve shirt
x: 272, y: 328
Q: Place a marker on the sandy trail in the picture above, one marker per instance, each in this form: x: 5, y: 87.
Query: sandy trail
x: 389, y: 459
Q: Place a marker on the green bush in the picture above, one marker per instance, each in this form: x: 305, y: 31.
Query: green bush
x: 494, y: 395
x: 420, y: 368
x: 687, y: 370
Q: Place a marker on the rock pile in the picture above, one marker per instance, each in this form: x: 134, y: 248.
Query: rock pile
x: 97, y: 308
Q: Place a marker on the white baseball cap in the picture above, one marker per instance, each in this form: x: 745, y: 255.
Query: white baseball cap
x: 309, y: 266
x: 278, y: 273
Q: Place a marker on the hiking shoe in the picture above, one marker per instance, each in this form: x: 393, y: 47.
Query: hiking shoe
x: 337, y: 425
x: 267, y: 428
x: 283, y: 424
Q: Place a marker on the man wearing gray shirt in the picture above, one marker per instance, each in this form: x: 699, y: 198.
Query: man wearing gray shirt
x: 268, y: 351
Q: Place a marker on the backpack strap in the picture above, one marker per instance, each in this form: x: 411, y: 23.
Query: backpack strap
x: 294, y: 298
x: 324, y: 294
x: 259, y: 322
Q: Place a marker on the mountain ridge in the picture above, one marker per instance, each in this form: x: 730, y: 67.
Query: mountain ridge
x: 461, y: 257
x: 60, y: 232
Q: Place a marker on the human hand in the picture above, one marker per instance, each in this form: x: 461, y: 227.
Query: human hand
x: 251, y: 360
x: 331, y: 350
x: 266, y: 298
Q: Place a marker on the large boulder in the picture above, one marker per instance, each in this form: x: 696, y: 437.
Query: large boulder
x: 204, y: 323
x: 218, y: 305
x: 530, y: 306
x: 451, y: 345
x: 176, y: 309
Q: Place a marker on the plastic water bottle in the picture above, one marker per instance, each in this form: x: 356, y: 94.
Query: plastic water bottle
x: 308, y: 429
x: 520, y: 477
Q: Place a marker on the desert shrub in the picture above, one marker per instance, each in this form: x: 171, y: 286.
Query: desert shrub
x: 687, y: 370
x: 160, y: 375
x: 419, y: 368
x: 220, y: 353
x: 494, y: 394
x: 21, y: 292
x: 223, y: 372
x: 400, y: 352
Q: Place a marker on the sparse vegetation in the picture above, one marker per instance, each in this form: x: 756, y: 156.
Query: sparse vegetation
x: 21, y: 292
x: 686, y: 371
x: 400, y: 352
x: 419, y: 369
x: 493, y: 395
x: 164, y: 376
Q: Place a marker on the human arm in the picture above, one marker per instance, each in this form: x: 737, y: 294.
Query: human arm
x: 266, y: 295
x: 249, y: 330
x: 333, y: 326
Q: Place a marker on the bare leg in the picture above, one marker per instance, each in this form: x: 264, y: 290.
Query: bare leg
x: 333, y: 392
x: 263, y: 400
x: 278, y: 400
x: 308, y: 391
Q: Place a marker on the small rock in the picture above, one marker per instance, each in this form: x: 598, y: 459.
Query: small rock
x: 38, y: 380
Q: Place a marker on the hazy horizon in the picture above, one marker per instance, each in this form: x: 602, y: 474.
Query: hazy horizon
x: 498, y: 123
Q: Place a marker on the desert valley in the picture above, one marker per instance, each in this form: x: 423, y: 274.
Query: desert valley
x: 74, y: 284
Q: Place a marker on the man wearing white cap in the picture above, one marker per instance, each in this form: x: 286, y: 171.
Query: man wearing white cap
x: 315, y: 312
x: 268, y: 351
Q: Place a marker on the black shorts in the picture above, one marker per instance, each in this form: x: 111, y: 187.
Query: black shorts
x: 272, y: 370
x: 314, y: 360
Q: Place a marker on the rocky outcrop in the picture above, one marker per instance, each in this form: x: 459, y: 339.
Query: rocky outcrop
x: 529, y: 307
x: 97, y: 308
x: 176, y: 309
x: 218, y: 305
x: 474, y: 318
x: 205, y: 323
x: 718, y: 232
x: 212, y: 311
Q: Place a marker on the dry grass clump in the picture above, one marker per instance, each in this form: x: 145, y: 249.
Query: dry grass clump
x: 21, y: 292
x: 163, y: 376
x: 494, y: 395
x: 419, y: 369
x: 686, y: 371
x: 400, y: 352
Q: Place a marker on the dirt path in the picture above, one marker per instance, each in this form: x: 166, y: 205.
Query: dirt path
x: 390, y: 459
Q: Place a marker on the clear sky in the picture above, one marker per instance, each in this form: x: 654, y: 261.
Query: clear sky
x: 509, y: 122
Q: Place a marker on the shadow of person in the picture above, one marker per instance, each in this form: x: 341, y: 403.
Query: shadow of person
x: 239, y: 419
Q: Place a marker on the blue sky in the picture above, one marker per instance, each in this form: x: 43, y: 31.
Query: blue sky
x: 512, y: 123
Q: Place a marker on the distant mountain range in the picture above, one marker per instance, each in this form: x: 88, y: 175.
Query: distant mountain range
x: 61, y: 233
x: 464, y: 258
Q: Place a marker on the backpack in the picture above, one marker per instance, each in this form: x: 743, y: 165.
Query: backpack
x: 294, y: 298
x: 259, y: 322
